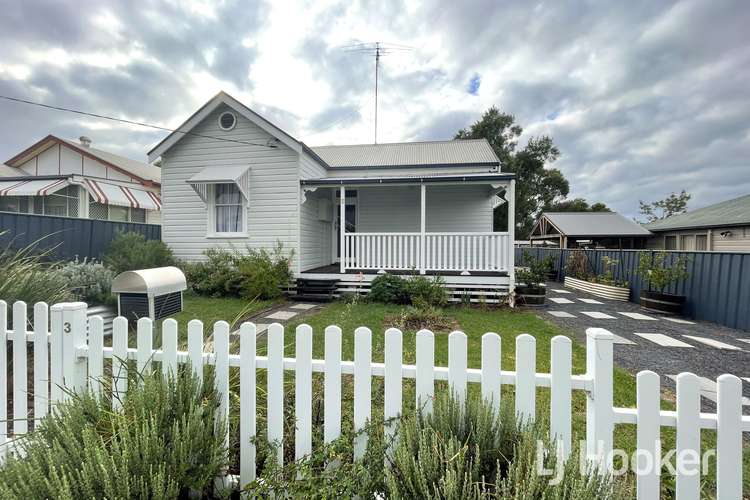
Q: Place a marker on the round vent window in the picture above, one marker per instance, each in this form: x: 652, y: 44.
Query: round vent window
x: 227, y: 121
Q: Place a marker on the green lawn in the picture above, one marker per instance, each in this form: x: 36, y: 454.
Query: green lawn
x: 475, y: 322
x: 210, y: 310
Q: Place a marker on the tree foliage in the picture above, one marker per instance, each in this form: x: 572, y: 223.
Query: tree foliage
x: 661, y: 209
x: 537, y: 185
x: 576, y: 205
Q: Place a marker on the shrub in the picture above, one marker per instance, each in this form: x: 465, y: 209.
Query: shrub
x: 264, y: 273
x: 534, y: 272
x: 461, y: 450
x: 217, y: 276
x: 160, y: 445
x: 418, y: 318
x: 577, y: 265
x: 389, y: 289
x: 657, y: 272
x: 25, y: 275
x: 425, y: 292
x: 131, y: 251
x: 89, y: 281
x: 470, y: 451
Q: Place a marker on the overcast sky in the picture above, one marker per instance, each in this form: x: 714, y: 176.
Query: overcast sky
x: 642, y: 97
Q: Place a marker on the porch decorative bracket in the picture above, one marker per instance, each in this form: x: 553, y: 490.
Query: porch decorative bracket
x: 306, y: 191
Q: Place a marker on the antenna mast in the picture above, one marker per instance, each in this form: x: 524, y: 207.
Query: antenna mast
x: 377, y: 49
x: 377, y: 63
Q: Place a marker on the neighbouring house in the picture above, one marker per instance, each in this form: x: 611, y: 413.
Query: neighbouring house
x: 588, y: 230
x: 72, y: 179
x: 723, y: 227
x: 232, y: 179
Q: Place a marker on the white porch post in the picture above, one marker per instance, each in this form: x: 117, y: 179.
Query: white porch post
x: 342, y: 228
x: 511, y: 234
x: 422, y: 229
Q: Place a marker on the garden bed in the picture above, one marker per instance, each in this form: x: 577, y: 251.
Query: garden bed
x: 599, y: 289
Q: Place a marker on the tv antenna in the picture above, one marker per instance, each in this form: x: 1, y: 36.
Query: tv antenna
x: 378, y: 50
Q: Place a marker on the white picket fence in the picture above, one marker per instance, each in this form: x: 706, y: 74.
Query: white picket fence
x: 66, y: 358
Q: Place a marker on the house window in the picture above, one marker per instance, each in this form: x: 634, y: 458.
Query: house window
x: 13, y: 204
x: 229, y: 213
x: 102, y: 211
x: 701, y: 242
x: 117, y: 213
x: 137, y: 215
x: 670, y: 243
x: 62, y: 203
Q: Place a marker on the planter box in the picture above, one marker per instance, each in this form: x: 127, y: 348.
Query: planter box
x: 598, y: 289
x: 530, y: 296
x: 662, y: 302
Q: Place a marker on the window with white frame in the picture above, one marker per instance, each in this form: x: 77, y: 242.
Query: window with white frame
x: 102, y: 211
x: 228, y: 212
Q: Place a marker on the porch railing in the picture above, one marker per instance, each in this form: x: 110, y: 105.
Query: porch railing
x: 477, y: 252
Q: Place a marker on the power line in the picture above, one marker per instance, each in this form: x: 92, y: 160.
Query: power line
x: 131, y: 122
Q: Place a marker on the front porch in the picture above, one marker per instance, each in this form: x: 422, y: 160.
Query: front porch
x: 435, y: 225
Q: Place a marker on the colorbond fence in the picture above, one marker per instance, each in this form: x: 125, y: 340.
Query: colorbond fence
x: 67, y: 237
x: 66, y: 359
x: 717, y: 288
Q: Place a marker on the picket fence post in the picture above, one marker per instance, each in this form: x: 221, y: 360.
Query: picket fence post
x: 73, y: 336
x: 4, y: 371
x: 599, y: 411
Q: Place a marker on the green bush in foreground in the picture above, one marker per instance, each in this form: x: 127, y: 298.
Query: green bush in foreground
x: 132, y: 251
x: 460, y: 451
x: 26, y: 275
x: 164, y: 442
x: 89, y: 281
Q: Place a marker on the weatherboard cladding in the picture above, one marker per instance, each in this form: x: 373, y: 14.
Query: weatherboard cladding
x: 272, y: 213
x: 409, y: 154
x: 726, y: 213
x: 595, y: 224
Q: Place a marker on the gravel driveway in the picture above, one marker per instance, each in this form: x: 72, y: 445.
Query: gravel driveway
x: 667, y: 345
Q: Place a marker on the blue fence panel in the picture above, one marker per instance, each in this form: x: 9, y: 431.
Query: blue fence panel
x: 65, y: 237
x: 717, y: 287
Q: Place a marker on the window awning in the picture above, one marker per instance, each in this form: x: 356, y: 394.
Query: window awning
x: 124, y: 196
x: 32, y: 187
x: 239, y: 175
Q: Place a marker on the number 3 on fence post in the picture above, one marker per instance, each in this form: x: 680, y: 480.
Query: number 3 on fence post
x: 73, y: 336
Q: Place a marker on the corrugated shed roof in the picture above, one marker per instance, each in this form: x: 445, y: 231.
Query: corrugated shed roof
x: 408, y: 154
x: 137, y: 168
x: 725, y: 213
x: 595, y: 224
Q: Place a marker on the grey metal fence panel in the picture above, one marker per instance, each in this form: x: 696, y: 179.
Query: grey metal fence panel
x: 717, y: 287
x: 66, y: 237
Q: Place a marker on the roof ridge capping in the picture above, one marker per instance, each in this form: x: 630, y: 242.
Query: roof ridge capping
x: 402, y: 143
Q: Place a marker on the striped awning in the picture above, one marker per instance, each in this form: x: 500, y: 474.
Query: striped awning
x: 124, y: 196
x: 32, y: 187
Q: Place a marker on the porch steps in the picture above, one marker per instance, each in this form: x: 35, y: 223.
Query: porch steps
x: 316, y: 290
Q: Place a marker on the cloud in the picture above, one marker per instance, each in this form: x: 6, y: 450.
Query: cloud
x: 643, y: 98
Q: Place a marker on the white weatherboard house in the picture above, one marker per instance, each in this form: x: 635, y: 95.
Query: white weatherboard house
x: 232, y: 179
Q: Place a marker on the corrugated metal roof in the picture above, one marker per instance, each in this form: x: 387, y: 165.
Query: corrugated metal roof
x: 595, y: 224
x: 409, y: 154
x: 725, y: 213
